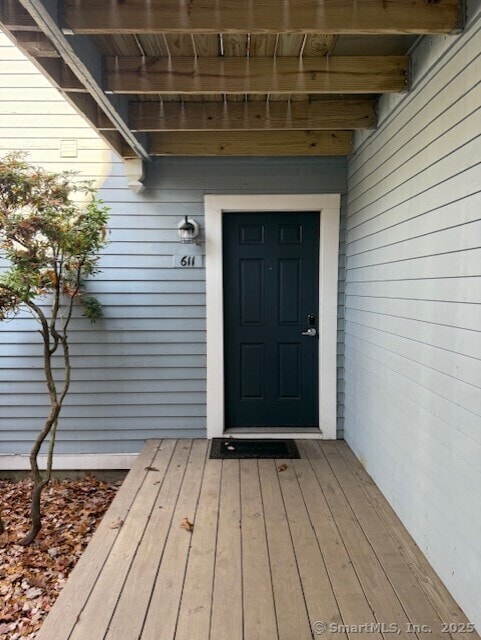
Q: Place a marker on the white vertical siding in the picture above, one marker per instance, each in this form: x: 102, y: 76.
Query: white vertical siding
x: 140, y: 372
x: 413, y: 307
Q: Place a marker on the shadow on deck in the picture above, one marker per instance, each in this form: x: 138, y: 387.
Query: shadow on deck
x: 312, y: 551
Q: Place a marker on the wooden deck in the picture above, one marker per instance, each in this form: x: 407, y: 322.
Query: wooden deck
x: 310, y: 551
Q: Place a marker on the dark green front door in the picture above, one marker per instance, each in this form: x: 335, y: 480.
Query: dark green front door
x: 271, y: 298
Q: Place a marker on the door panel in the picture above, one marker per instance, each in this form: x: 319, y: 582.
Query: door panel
x: 271, y: 285
x: 251, y: 292
x: 252, y: 371
x: 289, y: 292
x: 289, y: 375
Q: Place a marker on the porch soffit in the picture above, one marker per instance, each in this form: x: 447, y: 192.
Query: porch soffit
x: 161, y: 77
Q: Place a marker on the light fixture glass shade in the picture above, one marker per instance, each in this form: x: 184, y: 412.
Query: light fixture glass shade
x: 188, y: 230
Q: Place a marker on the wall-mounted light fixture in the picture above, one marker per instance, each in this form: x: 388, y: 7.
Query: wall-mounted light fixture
x: 188, y: 230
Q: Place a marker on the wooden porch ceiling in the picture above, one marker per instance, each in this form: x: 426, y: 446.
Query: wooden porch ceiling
x: 277, y: 77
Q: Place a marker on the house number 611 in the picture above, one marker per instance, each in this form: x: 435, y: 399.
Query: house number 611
x: 192, y: 261
x: 187, y: 261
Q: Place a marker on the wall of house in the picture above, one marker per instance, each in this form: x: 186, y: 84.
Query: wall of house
x: 140, y: 372
x: 413, y: 306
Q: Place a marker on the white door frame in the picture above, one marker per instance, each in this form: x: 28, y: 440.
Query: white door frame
x: 328, y: 206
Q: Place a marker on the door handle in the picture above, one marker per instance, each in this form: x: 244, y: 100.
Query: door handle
x: 311, y: 332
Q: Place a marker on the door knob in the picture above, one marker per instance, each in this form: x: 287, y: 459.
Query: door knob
x: 311, y: 332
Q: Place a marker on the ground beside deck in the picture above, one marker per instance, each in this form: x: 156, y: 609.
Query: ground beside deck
x: 307, y: 552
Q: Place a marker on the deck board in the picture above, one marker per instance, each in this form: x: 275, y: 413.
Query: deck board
x: 227, y: 589
x: 416, y: 604
x: 105, y: 594
x: 321, y: 602
x: 161, y: 618
x: 376, y: 586
x: 194, y: 615
x: 347, y: 588
x: 259, y: 611
x: 272, y: 554
x: 129, y: 615
x: 290, y: 604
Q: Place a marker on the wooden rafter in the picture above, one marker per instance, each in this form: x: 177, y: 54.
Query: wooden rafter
x: 268, y: 16
x: 35, y: 44
x: 348, y: 113
x: 343, y: 74
x: 90, y: 109
x: 253, y: 143
x: 14, y: 16
x: 61, y: 75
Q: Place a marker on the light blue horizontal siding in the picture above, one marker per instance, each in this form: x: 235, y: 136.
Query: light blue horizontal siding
x: 90, y: 386
x: 117, y: 442
x: 154, y: 325
x: 413, y: 307
x: 102, y: 374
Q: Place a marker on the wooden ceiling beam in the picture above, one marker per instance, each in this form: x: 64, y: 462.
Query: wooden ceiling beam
x: 117, y: 142
x: 253, y: 143
x: 61, y: 75
x: 14, y: 16
x: 91, y: 111
x: 248, y: 116
x: 35, y: 44
x: 268, y: 16
x: 214, y: 75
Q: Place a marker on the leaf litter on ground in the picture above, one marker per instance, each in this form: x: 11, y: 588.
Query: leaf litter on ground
x: 32, y: 577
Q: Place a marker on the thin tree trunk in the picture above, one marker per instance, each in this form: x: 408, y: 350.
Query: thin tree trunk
x: 35, y: 514
x: 39, y: 483
x: 50, y: 427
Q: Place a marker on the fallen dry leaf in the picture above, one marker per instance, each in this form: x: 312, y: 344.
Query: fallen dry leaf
x: 116, y: 524
x: 151, y: 469
x: 186, y: 524
x: 282, y: 467
x: 33, y: 593
x: 32, y: 577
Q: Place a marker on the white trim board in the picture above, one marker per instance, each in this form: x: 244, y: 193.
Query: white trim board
x: 328, y: 206
x: 71, y: 462
x: 273, y: 435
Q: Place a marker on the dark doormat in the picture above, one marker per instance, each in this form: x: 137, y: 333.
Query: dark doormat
x: 226, y: 448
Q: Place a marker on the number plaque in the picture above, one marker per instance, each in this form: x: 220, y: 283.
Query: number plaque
x: 192, y: 261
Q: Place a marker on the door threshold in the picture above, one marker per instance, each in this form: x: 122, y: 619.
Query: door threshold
x: 273, y: 432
